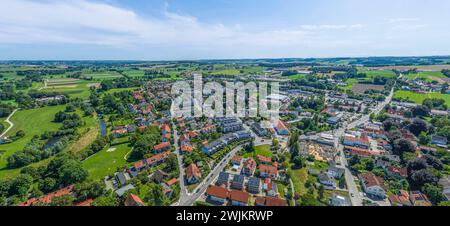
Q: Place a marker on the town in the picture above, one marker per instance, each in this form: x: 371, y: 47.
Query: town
x: 369, y: 132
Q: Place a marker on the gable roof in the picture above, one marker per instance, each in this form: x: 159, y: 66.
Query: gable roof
x: 133, y: 200
x: 268, y: 169
x: 219, y: 192
x: 240, y: 196
x: 48, y: 197
x: 193, y: 170
x: 370, y: 180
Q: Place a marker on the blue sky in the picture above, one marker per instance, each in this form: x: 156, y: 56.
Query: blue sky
x: 205, y: 29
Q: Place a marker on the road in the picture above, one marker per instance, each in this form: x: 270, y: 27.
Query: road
x: 201, y: 189
x: 183, y: 190
x: 355, y: 196
x: 11, y: 124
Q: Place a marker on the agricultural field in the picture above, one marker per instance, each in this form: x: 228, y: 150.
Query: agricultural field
x: 418, y: 98
x: 362, y: 88
x: 371, y: 74
x: 106, y: 161
x: 72, y: 87
x: 102, y: 75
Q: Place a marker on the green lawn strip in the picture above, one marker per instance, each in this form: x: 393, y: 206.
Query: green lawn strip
x: 105, y: 163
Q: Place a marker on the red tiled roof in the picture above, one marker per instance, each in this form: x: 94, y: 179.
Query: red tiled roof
x: 161, y: 146
x: 87, y: 202
x: 219, y: 192
x: 264, y: 158
x: 281, y: 125
x: 397, y: 170
x: 157, y: 158
x: 166, y: 128
x: 359, y: 151
x: 185, y: 147
x: 268, y: 169
x: 370, y: 180
x: 270, y: 201
x: 193, y: 170
x: 250, y: 163
x: 240, y: 196
x: 139, y: 164
x: 237, y: 158
x: 133, y: 200
x: 172, y: 181
x: 48, y: 198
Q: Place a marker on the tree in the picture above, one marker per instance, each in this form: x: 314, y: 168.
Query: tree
x: 89, y: 190
x: 63, y: 200
x: 106, y: 201
x: 433, y: 162
x: 424, y: 139
x: 434, y: 193
x: 421, y: 177
x: 21, y: 184
x: 403, y: 145
x: 298, y: 162
x: 72, y: 172
x: 156, y: 195
x: 420, y: 111
x: 416, y: 164
x: 47, y: 185
x: 418, y: 126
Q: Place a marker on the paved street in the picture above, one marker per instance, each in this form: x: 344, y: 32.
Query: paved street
x: 183, y: 191
x: 191, y: 198
x: 355, y: 197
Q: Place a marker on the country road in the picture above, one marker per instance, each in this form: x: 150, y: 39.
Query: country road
x: 11, y: 124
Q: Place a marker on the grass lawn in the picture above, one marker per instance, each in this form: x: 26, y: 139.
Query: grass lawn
x: 299, y: 178
x: 281, y: 187
x: 295, y: 77
x: 32, y: 122
x: 105, y: 163
x: 263, y: 150
x: 418, y: 98
x: 377, y: 73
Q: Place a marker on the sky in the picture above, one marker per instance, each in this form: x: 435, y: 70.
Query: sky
x: 221, y: 29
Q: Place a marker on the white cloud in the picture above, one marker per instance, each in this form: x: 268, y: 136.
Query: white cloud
x: 85, y: 22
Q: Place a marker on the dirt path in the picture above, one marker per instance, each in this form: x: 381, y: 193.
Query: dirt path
x: 9, y: 122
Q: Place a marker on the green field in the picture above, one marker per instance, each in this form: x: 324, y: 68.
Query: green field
x: 32, y: 122
x: 105, y: 163
x: 263, y: 150
x: 371, y: 74
x: 299, y: 178
x: 418, y: 98
x: 428, y: 76
x: 79, y: 89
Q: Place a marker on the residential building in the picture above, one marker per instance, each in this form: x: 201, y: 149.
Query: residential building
x: 249, y: 167
x: 439, y: 140
x: 254, y: 185
x: 238, y: 182
x: 268, y: 171
x: 262, y: 132
x: 124, y: 189
x: 281, y: 128
x: 217, y: 194
x: 372, y: 184
x: 400, y: 199
x: 223, y: 179
x: 396, y: 172
x: 162, y: 147
x: 133, y: 200
x: 270, y: 187
x: 419, y: 199
x: 270, y: 201
x: 337, y: 200
x: 239, y: 198
x: 327, y: 180
x: 193, y: 174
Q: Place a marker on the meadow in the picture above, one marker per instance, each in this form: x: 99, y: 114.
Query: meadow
x: 418, y: 98
x: 32, y: 122
x: 107, y: 161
